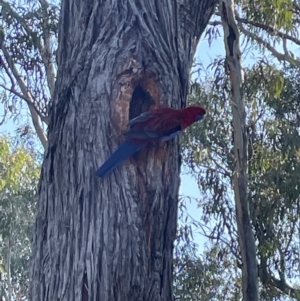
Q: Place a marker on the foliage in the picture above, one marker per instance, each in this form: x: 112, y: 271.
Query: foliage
x: 28, y: 40
x: 272, y: 94
x: 202, y: 277
x: 273, y: 155
x: 267, y: 27
x: 19, y: 172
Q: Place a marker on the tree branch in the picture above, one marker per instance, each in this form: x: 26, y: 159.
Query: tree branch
x: 14, y: 91
x: 49, y: 65
x: 214, y: 237
x: 35, y: 115
x: 281, y: 57
x: 269, y: 29
x: 45, y: 50
x: 275, y: 53
x: 296, y: 6
x: 281, y: 285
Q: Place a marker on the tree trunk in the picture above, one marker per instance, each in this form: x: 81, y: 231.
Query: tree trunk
x: 112, y: 238
x: 240, y: 176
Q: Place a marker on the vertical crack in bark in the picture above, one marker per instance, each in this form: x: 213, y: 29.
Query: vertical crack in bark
x: 240, y: 176
x: 85, y: 292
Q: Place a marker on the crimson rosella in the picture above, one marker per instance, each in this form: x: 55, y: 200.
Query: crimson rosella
x: 159, y: 124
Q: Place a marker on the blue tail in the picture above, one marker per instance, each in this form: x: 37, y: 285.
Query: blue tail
x: 124, y: 151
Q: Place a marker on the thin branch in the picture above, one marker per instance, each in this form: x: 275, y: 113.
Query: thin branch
x: 45, y: 50
x: 36, y: 117
x: 225, y: 172
x: 269, y: 29
x: 16, y: 16
x: 14, y: 91
x: 214, y: 23
x: 49, y: 66
x: 46, y: 53
x: 275, y: 53
x: 213, y: 237
x: 4, y: 116
x: 286, y: 249
x: 286, y: 51
x: 295, y: 4
x: 281, y: 57
x: 44, y: 3
x: 281, y: 285
x: 7, y: 71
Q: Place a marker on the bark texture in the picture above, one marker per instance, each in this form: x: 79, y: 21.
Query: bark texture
x: 112, y: 239
x: 240, y: 177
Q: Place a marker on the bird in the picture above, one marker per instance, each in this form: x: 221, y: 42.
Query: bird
x: 158, y: 124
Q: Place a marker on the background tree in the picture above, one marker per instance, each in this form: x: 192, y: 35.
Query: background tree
x: 211, y: 275
x: 19, y: 172
x: 275, y: 25
x: 28, y: 39
x: 273, y: 157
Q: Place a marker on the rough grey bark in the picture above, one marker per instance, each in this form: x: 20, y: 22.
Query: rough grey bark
x: 112, y: 239
x: 240, y: 177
